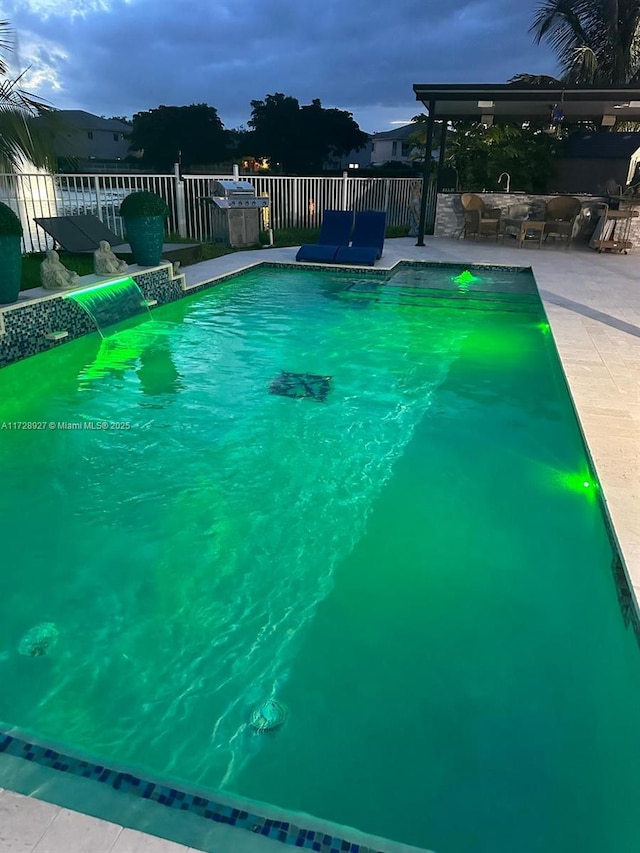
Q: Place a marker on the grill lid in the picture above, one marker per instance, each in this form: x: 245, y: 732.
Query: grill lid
x: 232, y: 189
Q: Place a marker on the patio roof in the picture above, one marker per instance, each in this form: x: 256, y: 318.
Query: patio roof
x: 522, y: 102
x: 517, y: 102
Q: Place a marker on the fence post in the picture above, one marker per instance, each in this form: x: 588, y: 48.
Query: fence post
x: 96, y: 186
x: 345, y: 182
x: 181, y: 207
x: 386, y: 195
x: 294, y: 204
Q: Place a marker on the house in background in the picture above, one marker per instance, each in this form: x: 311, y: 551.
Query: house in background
x: 358, y: 158
x: 394, y: 145
x: 589, y: 161
x: 96, y: 144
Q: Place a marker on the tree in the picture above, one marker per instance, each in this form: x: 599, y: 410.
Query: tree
x: 123, y: 119
x: 275, y: 129
x: 479, y: 154
x: 301, y: 139
x: 326, y: 133
x: 596, y: 41
x: 192, y: 135
x: 21, y: 139
x: 418, y: 137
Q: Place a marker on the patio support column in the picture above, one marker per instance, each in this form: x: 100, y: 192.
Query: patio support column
x: 426, y: 173
x: 440, y: 166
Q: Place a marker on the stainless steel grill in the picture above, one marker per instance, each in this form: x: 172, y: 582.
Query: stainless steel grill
x: 235, y: 194
x: 234, y: 211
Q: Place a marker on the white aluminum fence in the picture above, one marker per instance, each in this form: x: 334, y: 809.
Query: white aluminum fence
x: 294, y: 202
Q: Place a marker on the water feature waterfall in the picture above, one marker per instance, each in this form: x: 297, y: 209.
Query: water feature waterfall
x: 113, y: 303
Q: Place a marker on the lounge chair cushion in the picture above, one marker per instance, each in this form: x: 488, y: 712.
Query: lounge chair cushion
x: 368, y: 230
x: 360, y: 255
x: 335, y: 231
x: 336, y: 227
x: 316, y: 253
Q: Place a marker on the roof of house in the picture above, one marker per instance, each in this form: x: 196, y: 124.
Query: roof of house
x: 398, y: 133
x: 87, y: 121
x: 601, y: 145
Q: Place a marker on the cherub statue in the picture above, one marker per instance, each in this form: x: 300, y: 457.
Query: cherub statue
x: 54, y: 275
x: 106, y: 263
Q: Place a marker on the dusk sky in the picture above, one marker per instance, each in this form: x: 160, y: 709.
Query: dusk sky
x: 118, y: 57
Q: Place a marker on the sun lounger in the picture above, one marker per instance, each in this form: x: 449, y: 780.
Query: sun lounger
x: 78, y: 233
x: 334, y: 233
x: 367, y: 242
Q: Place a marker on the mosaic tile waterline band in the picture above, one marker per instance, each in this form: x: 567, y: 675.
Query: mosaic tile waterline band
x: 174, y: 798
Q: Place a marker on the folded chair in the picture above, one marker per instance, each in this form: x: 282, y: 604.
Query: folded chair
x: 367, y: 241
x: 334, y: 232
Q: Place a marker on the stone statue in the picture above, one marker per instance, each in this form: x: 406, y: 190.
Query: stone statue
x: 414, y: 208
x: 106, y: 263
x: 54, y: 275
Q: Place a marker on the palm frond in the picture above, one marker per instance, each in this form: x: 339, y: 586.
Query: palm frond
x: 584, y: 66
x: 6, y: 44
x: 534, y: 80
x: 22, y: 139
x: 14, y: 98
x: 596, y: 41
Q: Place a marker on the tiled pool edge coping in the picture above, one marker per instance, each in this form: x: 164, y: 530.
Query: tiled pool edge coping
x: 235, y: 812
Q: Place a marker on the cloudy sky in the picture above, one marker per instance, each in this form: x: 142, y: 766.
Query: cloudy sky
x: 117, y: 57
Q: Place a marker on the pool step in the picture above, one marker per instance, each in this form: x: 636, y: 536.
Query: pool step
x: 432, y: 298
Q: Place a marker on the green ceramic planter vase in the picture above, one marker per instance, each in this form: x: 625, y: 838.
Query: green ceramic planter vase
x: 146, y: 237
x: 144, y: 214
x: 10, y: 268
x: 10, y: 255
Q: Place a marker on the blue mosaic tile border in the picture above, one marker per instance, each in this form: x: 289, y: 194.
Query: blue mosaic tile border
x: 159, y: 285
x: 212, y: 282
x: 455, y: 265
x: 197, y: 288
x: 626, y: 598
x: 174, y: 798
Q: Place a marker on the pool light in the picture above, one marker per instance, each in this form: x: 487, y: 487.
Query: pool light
x: 580, y: 482
x: 465, y: 277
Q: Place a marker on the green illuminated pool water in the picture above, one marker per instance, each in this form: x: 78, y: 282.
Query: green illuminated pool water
x: 418, y: 567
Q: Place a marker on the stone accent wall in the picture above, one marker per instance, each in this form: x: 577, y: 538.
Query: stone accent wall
x: 450, y: 219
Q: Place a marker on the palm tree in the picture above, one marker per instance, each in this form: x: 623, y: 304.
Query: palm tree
x: 21, y: 139
x: 596, y: 41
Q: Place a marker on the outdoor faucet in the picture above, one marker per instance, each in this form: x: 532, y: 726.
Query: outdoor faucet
x: 508, y: 177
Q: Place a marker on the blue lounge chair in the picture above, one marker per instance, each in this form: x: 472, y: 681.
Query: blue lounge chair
x: 367, y: 242
x: 334, y: 233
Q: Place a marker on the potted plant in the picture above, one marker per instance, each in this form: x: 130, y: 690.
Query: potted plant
x: 10, y: 254
x: 144, y: 214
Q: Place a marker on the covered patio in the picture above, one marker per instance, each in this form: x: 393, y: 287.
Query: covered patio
x: 490, y: 103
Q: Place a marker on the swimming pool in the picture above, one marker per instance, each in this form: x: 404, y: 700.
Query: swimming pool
x: 412, y: 558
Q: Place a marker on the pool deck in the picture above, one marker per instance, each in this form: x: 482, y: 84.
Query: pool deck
x: 593, y: 305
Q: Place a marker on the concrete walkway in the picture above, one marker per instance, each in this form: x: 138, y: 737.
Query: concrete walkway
x: 593, y: 304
